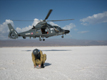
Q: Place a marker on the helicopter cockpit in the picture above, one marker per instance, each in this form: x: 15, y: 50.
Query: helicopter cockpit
x: 56, y: 28
x: 49, y: 26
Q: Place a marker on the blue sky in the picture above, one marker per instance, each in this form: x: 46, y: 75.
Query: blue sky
x: 90, y: 16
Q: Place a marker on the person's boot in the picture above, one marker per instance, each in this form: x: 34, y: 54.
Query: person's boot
x: 42, y: 65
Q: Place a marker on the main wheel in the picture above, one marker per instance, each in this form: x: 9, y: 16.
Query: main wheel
x: 43, y: 39
x: 62, y: 36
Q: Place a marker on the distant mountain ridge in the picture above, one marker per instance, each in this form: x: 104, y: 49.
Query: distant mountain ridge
x: 50, y: 42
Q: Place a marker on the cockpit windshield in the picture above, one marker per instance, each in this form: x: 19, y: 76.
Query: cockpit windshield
x: 57, y: 27
x: 50, y: 26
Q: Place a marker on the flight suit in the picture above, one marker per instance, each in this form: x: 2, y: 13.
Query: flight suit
x: 39, y: 61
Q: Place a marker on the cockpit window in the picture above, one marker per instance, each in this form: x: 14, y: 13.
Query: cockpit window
x: 57, y: 27
x: 50, y: 26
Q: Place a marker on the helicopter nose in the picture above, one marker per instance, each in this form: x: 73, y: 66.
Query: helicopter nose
x: 67, y: 31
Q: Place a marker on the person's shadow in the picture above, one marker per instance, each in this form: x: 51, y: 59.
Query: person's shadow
x: 47, y: 64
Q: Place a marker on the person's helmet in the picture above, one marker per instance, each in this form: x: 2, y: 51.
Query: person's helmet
x: 36, y: 51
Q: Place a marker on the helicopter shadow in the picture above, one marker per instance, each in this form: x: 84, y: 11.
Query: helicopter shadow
x: 48, y: 50
x: 27, y: 50
x: 56, y: 50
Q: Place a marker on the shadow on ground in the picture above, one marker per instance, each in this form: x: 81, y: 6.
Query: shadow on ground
x: 56, y: 50
x: 48, y: 50
x: 47, y: 64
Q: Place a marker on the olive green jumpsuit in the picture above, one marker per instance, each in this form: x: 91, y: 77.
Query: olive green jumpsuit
x: 37, y: 61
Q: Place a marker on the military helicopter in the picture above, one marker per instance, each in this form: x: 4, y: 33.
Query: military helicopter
x: 41, y: 30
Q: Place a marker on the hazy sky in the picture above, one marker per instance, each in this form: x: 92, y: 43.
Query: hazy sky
x: 90, y: 16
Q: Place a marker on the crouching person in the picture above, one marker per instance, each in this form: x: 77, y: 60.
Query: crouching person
x: 38, y: 58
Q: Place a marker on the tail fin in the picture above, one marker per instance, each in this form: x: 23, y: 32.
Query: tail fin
x: 13, y: 33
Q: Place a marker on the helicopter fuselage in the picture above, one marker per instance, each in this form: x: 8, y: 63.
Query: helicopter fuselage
x: 43, y: 32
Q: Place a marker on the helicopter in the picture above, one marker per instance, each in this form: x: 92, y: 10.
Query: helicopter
x: 41, y: 30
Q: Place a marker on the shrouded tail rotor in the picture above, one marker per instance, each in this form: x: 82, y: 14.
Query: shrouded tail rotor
x: 13, y: 33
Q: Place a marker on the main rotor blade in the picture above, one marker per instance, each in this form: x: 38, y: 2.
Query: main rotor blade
x: 59, y: 20
x: 47, y: 20
x: 48, y: 14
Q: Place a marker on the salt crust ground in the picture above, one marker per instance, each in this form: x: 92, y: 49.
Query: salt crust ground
x: 63, y: 63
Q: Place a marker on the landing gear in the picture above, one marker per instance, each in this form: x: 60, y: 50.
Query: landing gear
x: 62, y: 36
x: 41, y: 39
x: 24, y: 37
